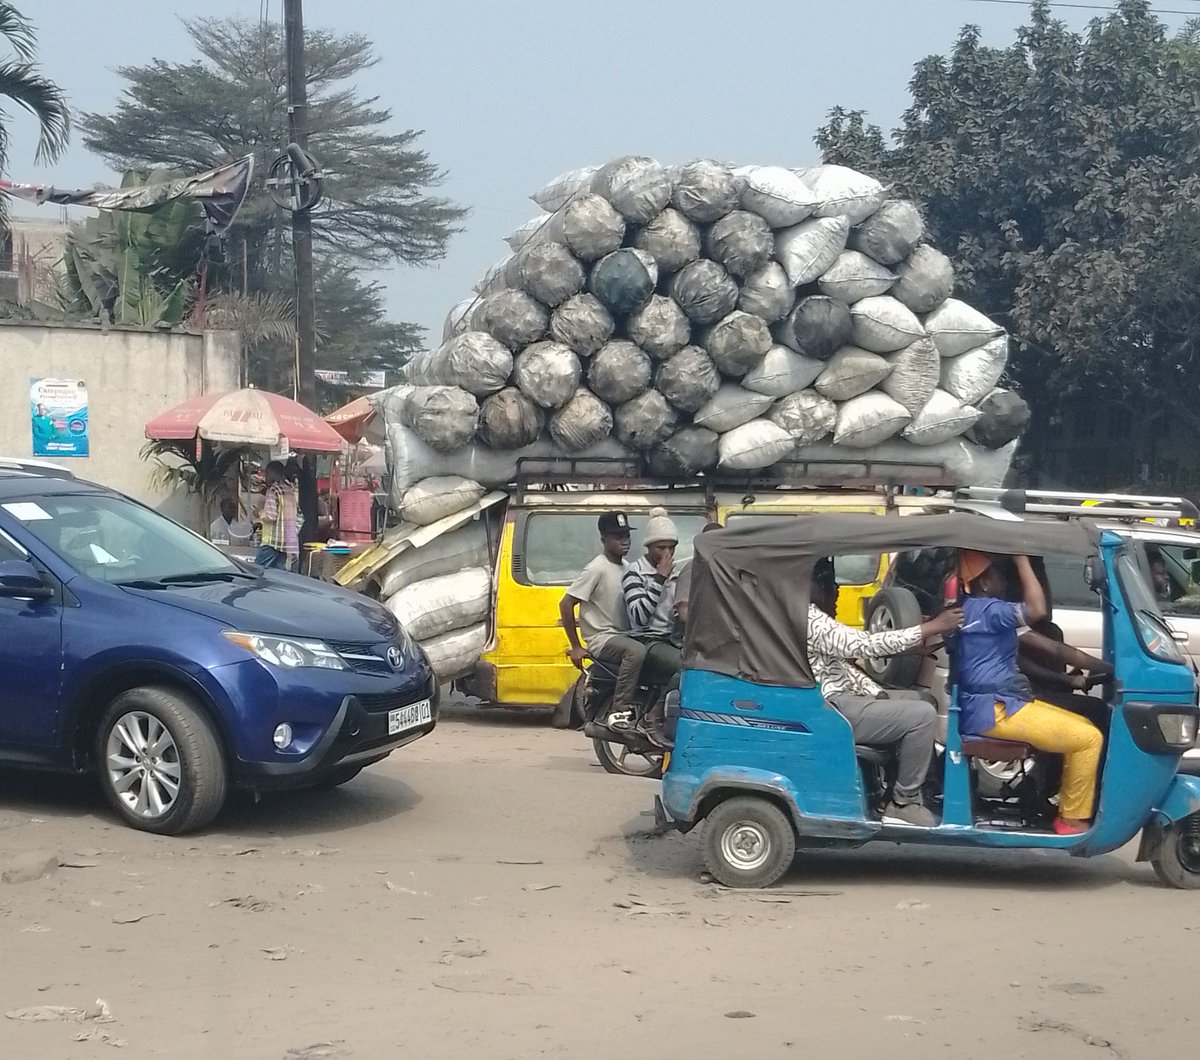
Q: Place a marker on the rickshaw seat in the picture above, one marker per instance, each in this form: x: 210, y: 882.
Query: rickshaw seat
x: 993, y: 750
x: 877, y: 756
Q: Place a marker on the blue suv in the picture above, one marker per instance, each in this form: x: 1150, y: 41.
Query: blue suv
x: 131, y: 647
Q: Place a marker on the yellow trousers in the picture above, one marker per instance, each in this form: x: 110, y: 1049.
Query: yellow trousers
x: 1050, y: 728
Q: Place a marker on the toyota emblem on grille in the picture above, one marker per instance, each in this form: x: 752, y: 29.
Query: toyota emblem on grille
x: 395, y: 658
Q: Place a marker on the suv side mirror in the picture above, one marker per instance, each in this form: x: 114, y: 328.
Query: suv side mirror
x: 20, y: 580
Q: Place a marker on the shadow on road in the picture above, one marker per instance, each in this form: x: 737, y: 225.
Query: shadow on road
x: 470, y: 713
x: 671, y: 855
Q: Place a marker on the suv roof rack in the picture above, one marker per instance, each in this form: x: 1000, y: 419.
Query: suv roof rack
x: 1083, y: 505
x: 34, y: 466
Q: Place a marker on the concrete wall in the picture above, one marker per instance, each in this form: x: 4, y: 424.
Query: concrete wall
x: 131, y: 377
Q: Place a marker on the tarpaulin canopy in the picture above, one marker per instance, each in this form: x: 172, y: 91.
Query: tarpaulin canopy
x: 750, y: 587
x: 219, y: 191
x: 351, y: 419
x: 247, y: 417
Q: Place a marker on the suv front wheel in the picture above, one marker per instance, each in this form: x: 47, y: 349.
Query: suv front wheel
x: 159, y: 761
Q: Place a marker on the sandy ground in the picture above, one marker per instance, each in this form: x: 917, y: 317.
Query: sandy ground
x: 490, y: 892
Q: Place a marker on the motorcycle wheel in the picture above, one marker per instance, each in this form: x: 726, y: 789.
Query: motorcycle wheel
x: 616, y: 758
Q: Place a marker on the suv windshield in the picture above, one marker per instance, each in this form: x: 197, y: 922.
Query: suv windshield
x: 112, y: 539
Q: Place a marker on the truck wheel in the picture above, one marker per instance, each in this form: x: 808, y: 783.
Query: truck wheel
x: 893, y: 609
x: 748, y: 842
x: 159, y: 762
x: 1177, y: 862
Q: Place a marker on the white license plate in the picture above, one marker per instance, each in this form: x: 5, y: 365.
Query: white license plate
x: 409, y: 717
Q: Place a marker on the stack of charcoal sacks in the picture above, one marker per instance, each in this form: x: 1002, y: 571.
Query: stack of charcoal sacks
x: 709, y: 317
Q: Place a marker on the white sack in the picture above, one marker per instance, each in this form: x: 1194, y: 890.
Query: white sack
x: 806, y: 415
x: 842, y: 192
x: 434, y: 498
x: 583, y: 323
x: 806, y: 250
x: 591, y: 227
x: 452, y: 552
x: 754, y: 445
x: 943, y: 417
x: 689, y: 379
x: 619, y: 372
x: 514, y: 318
x: 550, y: 273
x: 850, y: 372
x: 924, y: 279
x: 670, y: 239
x: 493, y: 278
x: 777, y: 195
x: 782, y: 372
x: 915, y: 372
x: 547, y: 373
x: 455, y: 654
x: 730, y: 407
x: 704, y: 191
x: 473, y: 360
x: 526, y: 232
x: 890, y: 233
x: 957, y: 327
x: 868, y: 420
x: 459, y: 317
x: 740, y: 241
x: 583, y: 422
x: 767, y: 293
x: 637, y: 186
x: 971, y: 376
x: 645, y: 421
x: 883, y: 325
x: 562, y: 188
x: 965, y: 463
x: 660, y: 327
x: 444, y: 417
x: 705, y: 291
x: 439, y: 605
x: 509, y: 420
x: 737, y: 343
x: 854, y: 277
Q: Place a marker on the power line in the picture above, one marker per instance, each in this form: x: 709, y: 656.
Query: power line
x: 1087, y: 7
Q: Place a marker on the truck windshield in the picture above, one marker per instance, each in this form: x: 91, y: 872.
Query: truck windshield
x: 112, y: 539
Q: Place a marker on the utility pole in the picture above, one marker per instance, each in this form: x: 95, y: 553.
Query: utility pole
x: 306, y: 379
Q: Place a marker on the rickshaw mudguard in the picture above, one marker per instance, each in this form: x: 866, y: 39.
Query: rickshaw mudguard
x: 734, y: 735
x: 1181, y: 800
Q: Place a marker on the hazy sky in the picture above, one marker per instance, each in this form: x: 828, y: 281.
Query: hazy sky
x: 512, y: 92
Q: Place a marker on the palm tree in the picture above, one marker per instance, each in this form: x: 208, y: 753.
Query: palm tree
x: 23, y: 84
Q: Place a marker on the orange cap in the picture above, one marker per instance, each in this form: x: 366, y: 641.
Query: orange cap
x: 971, y: 565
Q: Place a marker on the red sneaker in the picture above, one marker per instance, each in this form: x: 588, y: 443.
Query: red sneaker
x: 1062, y: 827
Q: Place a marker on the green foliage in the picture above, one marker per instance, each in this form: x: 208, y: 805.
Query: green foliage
x: 133, y: 268
x: 1062, y: 173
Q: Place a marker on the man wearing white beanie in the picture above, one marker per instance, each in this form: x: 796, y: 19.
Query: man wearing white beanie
x: 649, y: 582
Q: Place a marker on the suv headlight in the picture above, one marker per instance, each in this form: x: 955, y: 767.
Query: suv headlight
x: 287, y: 652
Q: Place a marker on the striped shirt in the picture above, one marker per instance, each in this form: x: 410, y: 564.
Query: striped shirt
x: 832, y: 645
x: 649, y: 600
x: 280, y: 528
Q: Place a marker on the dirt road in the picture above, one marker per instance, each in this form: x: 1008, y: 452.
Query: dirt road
x: 490, y: 892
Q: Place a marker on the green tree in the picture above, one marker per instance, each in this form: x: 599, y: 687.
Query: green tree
x: 23, y: 84
x: 378, y: 208
x: 1062, y: 173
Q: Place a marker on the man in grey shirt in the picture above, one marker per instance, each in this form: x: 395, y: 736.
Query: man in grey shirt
x: 603, y: 619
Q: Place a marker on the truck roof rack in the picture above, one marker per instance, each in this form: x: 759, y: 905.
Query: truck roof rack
x: 34, y: 466
x: 1125, y: 506
x: 633, y: 473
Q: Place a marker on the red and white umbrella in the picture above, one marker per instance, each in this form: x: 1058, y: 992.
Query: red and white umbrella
x: 247, y: 417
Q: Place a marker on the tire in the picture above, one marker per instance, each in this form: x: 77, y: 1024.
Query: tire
x: 748, y: 842
x: 180, y: 750
x: 618, y: 759
x: 338, y: 776
x: 893, y: 609
x: 1177, y: 862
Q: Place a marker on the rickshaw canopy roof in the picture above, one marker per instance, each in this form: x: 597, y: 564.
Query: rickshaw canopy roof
x: 750, y: 587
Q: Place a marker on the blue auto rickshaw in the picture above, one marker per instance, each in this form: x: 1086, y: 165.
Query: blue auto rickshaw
x: 769, y: 767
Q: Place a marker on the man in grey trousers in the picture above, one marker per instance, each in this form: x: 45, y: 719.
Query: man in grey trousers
x: 902, y: 718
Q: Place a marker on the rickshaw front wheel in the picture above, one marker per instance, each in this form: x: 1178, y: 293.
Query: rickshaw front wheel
x: 1177, y: 862
x: 748, y: 842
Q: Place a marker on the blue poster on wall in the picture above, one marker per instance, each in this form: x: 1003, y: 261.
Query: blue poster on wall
x: 59, y: 411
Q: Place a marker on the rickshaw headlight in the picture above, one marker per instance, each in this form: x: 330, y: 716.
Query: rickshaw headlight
x: 1178, y: 730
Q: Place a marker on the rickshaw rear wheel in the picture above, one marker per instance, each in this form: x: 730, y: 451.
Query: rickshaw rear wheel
x: 1177, y: 862
x: 748, y: 842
